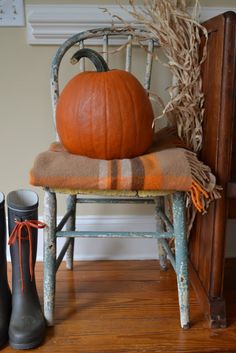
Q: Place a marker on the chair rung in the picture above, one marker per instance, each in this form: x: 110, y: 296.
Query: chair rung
x: 62, y: 253
x: 116, y: 200
x: 64, y: 220
x: 103, y: 234
x: 166, y: 220
x: 169, y: 252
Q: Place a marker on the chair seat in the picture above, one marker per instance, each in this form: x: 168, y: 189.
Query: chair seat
x: 113, y: 193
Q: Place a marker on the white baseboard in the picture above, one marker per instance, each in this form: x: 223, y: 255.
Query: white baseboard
x: 110, y: 249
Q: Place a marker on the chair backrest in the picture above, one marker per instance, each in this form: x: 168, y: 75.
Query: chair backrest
x: 105, y: 37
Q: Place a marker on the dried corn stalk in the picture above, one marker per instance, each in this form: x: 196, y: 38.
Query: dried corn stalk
x: 179, y: 35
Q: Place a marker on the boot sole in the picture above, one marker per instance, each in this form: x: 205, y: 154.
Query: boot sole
x: 25, y: 345
x: 3, y: 341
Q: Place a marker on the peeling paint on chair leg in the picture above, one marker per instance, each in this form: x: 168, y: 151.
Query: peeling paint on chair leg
x: 181, y: 256
x: 49, y: 255
x: 183, y: 294
x: 70, y: 225
x: 162, y: 257
x: 160, y: 229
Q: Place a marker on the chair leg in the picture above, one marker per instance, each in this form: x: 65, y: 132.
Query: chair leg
x: 181, y: 257
x: 50, y: 213
x: 159, y: 228
x: 70, y: 225
x: 162, y: 257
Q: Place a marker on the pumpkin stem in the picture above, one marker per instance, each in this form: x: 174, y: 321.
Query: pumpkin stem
x: 98, y: 61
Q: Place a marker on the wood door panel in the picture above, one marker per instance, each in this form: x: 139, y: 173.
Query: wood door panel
x: 202, y: 235
x: 207, y: 241
x: 233, y: 166
x: 232, y: 208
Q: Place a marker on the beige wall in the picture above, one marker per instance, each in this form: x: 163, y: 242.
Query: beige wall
x: 25, y: 112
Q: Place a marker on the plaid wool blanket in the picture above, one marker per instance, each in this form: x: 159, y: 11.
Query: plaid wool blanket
x: 166, y: 166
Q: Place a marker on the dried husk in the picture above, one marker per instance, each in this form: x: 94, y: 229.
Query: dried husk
x: 180, y: 36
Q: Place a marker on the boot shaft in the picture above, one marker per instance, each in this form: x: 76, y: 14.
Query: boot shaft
x: 3, y: 258
x: 5, y: 294
x: 23, y: 206
x: 2, y: 230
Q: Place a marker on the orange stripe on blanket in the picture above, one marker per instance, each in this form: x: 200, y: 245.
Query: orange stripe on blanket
x: 153, y: 177
x: 197, y: 196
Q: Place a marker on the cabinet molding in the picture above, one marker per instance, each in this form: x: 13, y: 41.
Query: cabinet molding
x: 53, y: 24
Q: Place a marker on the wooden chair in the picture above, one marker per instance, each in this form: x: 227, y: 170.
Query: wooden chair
x: 165, y: 228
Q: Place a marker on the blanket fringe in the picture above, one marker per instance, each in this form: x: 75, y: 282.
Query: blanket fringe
x: 204, y: 188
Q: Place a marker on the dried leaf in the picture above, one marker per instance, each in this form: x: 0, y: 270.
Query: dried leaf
x: 179, y: 34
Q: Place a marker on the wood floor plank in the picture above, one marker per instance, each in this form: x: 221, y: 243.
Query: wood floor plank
x: 130, y: 307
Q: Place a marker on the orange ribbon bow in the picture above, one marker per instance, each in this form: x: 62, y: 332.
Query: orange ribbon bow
x: 17, y: 234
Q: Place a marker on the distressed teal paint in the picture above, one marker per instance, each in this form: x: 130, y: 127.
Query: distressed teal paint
x: 168, y: 251
x: 112, y: 200
x: 164, y: 230
x: 181, y: 256
x: 50, y: 250
x: 104, y: 234
x: 63, y: 252
x: 160, y: 226
x: 162, y: 256
x: 165, y: 219
x: 64, y: 220
x: 70, y: 226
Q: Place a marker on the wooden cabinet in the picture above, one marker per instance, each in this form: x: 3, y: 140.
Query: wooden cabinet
x: 207, y: 242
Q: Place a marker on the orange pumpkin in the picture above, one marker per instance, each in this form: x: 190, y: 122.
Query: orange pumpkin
x: 104, y: 114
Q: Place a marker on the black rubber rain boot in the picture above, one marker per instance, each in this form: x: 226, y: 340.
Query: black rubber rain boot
x: 5, y: 294
x: 27, y: 323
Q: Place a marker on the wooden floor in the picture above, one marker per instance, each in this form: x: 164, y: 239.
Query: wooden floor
x: 130, y: 306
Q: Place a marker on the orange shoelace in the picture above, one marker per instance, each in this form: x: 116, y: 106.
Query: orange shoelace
x: 17, y: 234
